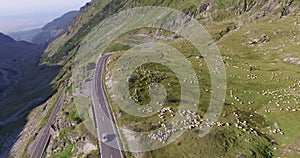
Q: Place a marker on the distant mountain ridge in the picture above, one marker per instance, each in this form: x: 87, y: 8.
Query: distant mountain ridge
x: 5, y: 38
x: 45, y: 34
x: 25, y: 35
x: 11, y: 49
x: 61, y: 22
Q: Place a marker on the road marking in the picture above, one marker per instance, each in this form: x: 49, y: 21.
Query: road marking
x: 110, y: 112
x: 44, y: 133
x: 98, y: 106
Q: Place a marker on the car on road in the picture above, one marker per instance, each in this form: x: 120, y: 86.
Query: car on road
x: 105, y: 137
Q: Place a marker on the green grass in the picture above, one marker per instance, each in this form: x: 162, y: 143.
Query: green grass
x: 72, y: 113
x: 116, y: 47
x: 239, y: 58
x: 67, y: 152
x: 242, y: 61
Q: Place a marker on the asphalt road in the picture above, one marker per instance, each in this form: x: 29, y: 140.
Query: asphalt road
x: 44, y: 134
x: 105, y: 123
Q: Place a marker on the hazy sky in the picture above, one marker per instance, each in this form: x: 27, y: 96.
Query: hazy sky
x: 17, y: 15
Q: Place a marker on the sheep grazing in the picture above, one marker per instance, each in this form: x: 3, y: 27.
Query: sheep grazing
x: 250, y: 102
x: 236, y: 125
x: 282, y: 133
x: 162, y: 136
x: 220, y: 124
x: 252, y: 77
x: 267, y: 110
x: 235, y: 114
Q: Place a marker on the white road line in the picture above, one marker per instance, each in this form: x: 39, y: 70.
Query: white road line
x: 110, y: 113
x: 99, y: 141
x: 96, y: 76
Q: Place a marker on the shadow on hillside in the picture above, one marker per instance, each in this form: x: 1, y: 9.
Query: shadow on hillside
x: 32, y: 88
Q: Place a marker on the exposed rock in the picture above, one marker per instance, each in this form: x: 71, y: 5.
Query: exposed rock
x: 252, y: 152
x: 202, y: 7
x: 89, y: 147
x: 264, y: 38
x: 242, y: 156
x: 139, y: 155
x: 119, y: 115
x: 29, y: 132
x: 248, y: 5
x: 292, y: 60
x: 249, y: 32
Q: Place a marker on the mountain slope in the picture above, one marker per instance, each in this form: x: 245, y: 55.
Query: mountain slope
x: 25, y: 35
x: 24, y: 85
x: 261, y: 109
x: 245, y: 12
x: 5, y: 38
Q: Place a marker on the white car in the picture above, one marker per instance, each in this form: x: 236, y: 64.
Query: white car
x: 105, y: 137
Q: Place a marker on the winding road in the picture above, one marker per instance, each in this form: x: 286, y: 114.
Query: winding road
x: 104, y: 119
x: 44, y: 135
